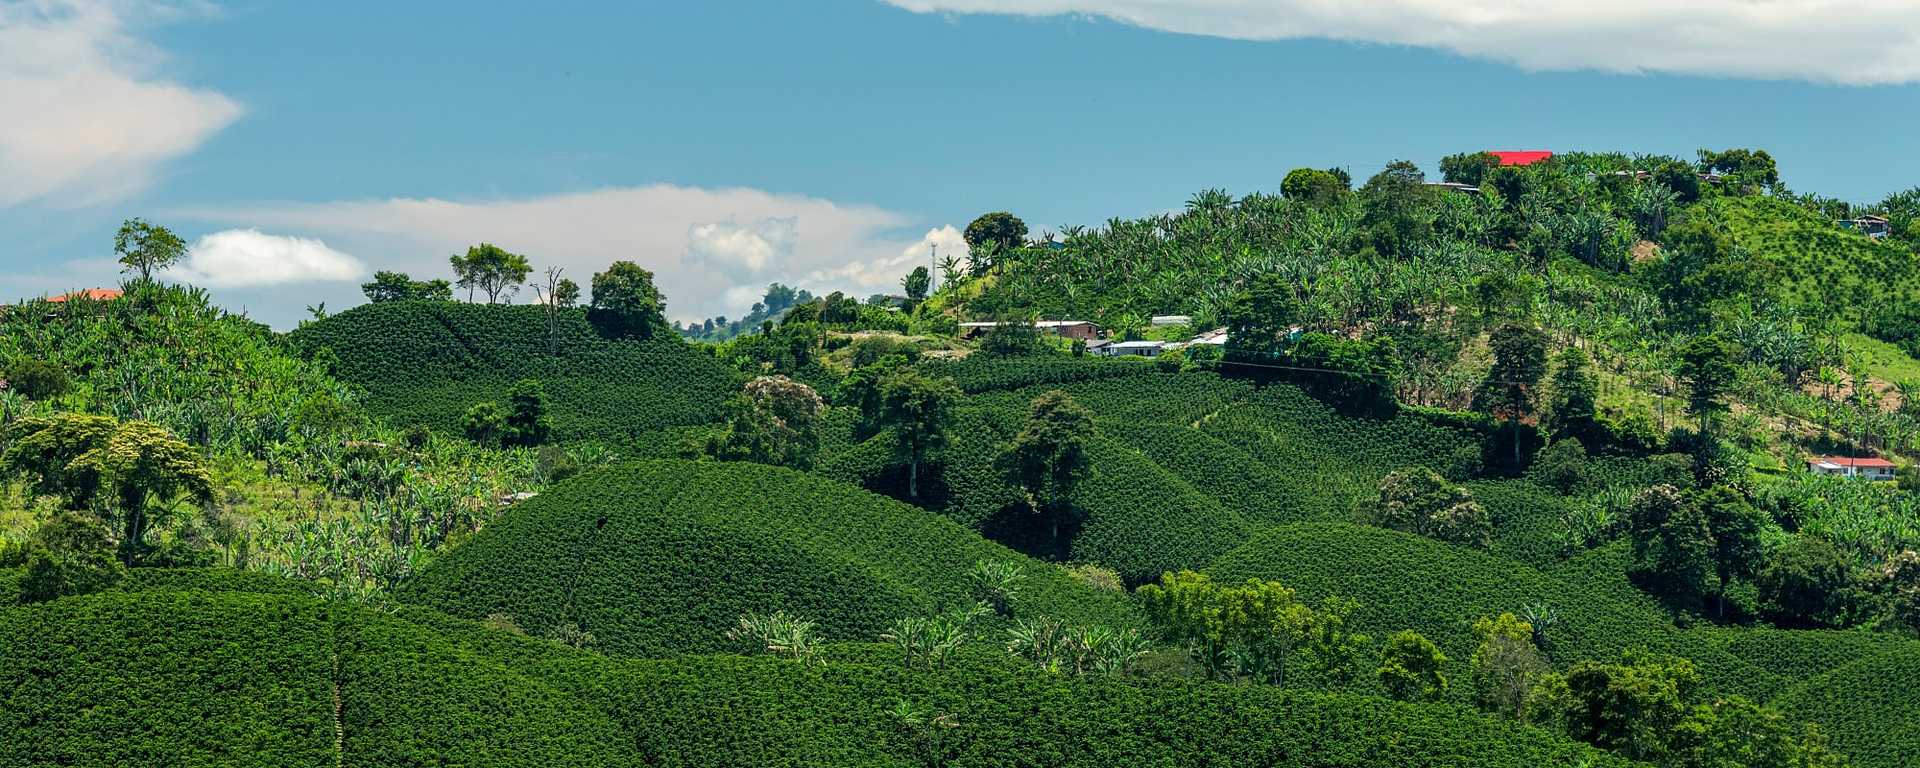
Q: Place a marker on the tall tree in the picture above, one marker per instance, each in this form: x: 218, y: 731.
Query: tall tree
x: 1505, y: 664
x: 1511, y: 387
x: 1260, y: 318
x: 555, y: 294
x: 1707, y: 370
x: 1736, y: 527
x: 1311, y: 185
x: 136, y: 469
x: 1049, y: 456
x: 625, y: 301
x: 147, y: 248
x: 919, y: 409
x: 491, y: 269
x: 1468, y: 167
x: 1673, y: 547
x: 916, y: 283
x: 1247, y: 628
x: 1419, y: 501
x: 774, y: 420
x: 1805, y: 583
x: 1572, y: 390
x: 1001, y: 229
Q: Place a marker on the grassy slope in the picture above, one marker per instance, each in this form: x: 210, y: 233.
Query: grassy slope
x: 248, y: 679
x: 428, y: 362
x: 689, y: 547
x: 1871, y: 707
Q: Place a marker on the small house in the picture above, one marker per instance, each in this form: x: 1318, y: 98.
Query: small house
x: 1070, y: 329
x: 1214, y: 338
x: 1141, y: 348
x: 1453, y: 186
x: 1872, y: 226
x: 1526, y: 157
x: 90, y: 294
x: 1162, y: 321
x: 1843, y: 466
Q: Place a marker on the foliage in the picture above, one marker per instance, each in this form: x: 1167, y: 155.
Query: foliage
x: 918, y: 410
x: 1418, y: 500
x: 1410, y: 667
x: 996, y: 584
x: 147, y: 248
x: 774, y: 420
x: 663, y: 557
x: 626, y: 303
x: 1805, y: 582
x: 34, y: 379
x: 998, y: 229
x: 776, y: 634
x: 70, y: 554
x: 398, y: 286
x: 425, y: 363
x: 1048, y: 458
x: 1505, y: 664
x: 490, y: 269
x: 1246, y: 630
x: 1673, y: 545
x: 133, y: 470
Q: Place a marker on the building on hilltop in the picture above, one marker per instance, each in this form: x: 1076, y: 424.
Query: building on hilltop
x: 1870, y: 225
x: 1071, y: 329
x: 1843, y: 466
x: 1141, y: 348
x: 1523, y: 157
x: 1170, y: 320
x: 90, y: 294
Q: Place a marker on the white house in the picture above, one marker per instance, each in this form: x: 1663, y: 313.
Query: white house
x: 1171, y: 320
x: 1142, y: 348
x: 1843, y: 466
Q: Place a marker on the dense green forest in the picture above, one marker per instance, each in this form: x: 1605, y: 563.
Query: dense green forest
x: 1509, y: 471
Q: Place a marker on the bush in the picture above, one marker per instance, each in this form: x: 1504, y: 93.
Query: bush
x: 34, y: 379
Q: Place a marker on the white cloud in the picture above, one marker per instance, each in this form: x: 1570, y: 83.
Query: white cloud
x: 1853, y: 42
x: 88, y: 117
x: 741, y: 251
x: 886, y: 272
x: 244, y: 258
x: 712, y: 251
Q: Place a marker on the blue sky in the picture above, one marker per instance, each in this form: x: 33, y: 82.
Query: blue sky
x: 729, y: 144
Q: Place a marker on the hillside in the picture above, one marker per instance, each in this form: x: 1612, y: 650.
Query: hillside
x: 663, y: 557
x: 214, y: 678
x: 425, y: 363
x: 1869, y: 706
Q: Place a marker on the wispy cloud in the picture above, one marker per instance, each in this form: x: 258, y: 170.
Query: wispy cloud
x: 712, y: 250
x: 1852, y: 42
x: 89, y: 118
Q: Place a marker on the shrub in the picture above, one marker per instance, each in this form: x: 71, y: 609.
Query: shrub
x: 34, y: 379
x: 1418, y: 500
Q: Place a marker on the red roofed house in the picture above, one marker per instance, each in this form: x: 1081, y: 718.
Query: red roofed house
x: 94, y: 294
x: 1521, y: 158
x: 1842, y: 466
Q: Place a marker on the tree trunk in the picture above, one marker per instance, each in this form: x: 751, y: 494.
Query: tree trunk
x: 913, y: 477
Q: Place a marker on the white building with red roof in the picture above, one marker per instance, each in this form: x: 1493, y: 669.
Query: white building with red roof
x: 1845, y: 466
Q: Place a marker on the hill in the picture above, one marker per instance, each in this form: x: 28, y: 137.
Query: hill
x: 427, y: 362
x: 1870, y: 707
x: 662, y: 557
x: 212, y: 678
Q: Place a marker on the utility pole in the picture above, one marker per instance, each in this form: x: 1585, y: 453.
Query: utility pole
x: 933, y: 269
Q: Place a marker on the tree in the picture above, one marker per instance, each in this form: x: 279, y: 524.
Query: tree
x: 1250, y: 628
x: 147, y: 248
x: 1418, y: 500
x: 484, y: 423
x: 70, y: 553
x: 625, y: 301
x: 1331, y: 646
x: 1049, y: 456
x: 1311, y: 185
x: 1562, y: 466
x: 916, y: 283
x: 34, y: 379
x: 1002, y: 230
x: 554, y: 295
x: 1679, y: 177
x: 919, y: 409
x: 1012, y: 338
x: 1631, y: 707
x: 1650, y: 203
x: 774, y: 420
x: 492, y: 270
x: 1672, y: 545
x: 1410, y: 667
x: 398, y: 286
x: 1571, y: 412
x: 526, y: 422
x: 1735, y: 526
x: 1805, y: 583
x: 1260, y: 318
x: 1707, y: 370
x: 1395, y: 210
x: 1511, y: 387
x: 1737, y: 733
x: 1505, y: 664
x: 1898, y: 583
x: 136, y: 469
x: 1468, y: 167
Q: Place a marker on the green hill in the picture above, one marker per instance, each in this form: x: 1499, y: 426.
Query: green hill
x: 428, y: 362
x: 242, y: 679
x: 687, y: 548
x: 1871, y: 707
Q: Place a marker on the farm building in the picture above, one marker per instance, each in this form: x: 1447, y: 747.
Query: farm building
x: 1843, y: 466
x: 1869, y: 225
x: 1142, y: 348
x: 91, y: 294
x: 1526, y: 157
x: 1214, y: 338
x: 1071, y: 329
x: 1169, y: 320
x: 1454, y: 186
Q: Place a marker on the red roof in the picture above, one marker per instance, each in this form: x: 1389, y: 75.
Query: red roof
x: 1843, y: 461
x: 1522, y: 158
x: 96, y: 294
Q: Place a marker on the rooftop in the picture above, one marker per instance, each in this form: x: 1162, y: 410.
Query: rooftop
x: 94, y: 294
x: 1846, y: 461
x: 1523, y: 157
